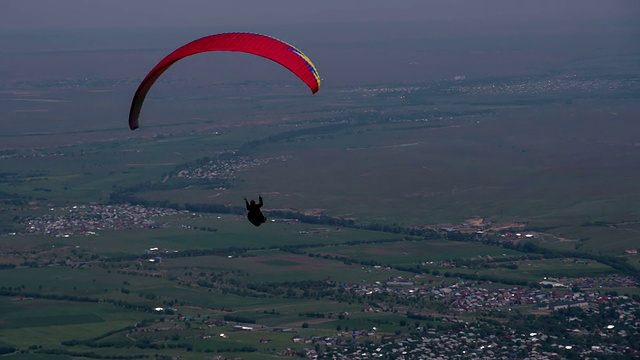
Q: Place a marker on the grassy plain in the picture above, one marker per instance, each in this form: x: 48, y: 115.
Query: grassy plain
x: 393, y: 154
x: 27, y: 321
x: 416, y: 252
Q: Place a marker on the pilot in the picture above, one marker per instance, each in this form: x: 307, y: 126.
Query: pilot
x: 255, y: 216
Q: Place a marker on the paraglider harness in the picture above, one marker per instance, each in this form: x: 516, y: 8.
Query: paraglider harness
x: 255, y: 216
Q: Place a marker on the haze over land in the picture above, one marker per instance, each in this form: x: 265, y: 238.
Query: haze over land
x: 72, y: 49
x: 466, y: 171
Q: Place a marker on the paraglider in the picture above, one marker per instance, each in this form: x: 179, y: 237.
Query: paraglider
x: 260, y: 45
x: 255, y: 216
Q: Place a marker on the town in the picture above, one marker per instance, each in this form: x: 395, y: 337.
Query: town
x: 89, y: 219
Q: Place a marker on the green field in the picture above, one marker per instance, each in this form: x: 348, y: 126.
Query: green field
x: 363, y: 188
x: 48, y: 322
x: 415, y: 253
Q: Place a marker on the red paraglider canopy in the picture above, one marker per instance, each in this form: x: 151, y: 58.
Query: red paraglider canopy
x: 260, y: 45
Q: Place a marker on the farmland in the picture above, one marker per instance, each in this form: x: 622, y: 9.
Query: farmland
x: 396, y: 211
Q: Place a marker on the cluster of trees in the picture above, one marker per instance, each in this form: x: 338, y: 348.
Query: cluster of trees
x: 88, y: 354
x: 230, y: 251
x: 311, y: 314
x: 598, y: 223
x: 7, y: 349
x: 4, y: 291
x: 239, y: 319
x: 207, y: 228
x: 14, y: 199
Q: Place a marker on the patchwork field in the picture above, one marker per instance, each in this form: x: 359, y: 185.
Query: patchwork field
x: 394, y: 211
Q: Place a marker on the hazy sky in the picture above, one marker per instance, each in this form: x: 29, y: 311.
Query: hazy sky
x: 189, y: 13
x: 352, y: 40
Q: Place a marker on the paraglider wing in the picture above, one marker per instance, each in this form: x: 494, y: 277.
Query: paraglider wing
x: 260, y: 45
